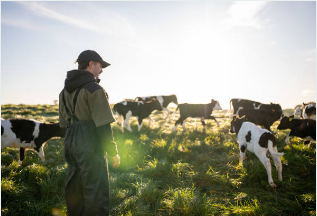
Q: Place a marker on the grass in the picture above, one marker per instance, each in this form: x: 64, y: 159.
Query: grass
x: 192, y: 172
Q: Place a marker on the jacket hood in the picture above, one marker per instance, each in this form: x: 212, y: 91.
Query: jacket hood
x: 77, y: 78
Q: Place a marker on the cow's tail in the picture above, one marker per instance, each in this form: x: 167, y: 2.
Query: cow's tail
x: 271, y: 150
x: 230, y: 112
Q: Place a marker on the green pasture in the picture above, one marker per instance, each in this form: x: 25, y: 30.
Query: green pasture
x: 192, y: 172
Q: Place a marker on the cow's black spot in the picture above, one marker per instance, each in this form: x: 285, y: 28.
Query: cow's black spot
x: 2, y: 129
x: 248, y: 137
x: 243, y: 148
x: 265, y: 137
x: 23, y: 129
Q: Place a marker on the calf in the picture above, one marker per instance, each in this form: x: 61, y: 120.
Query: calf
x: 164, y: 100
x: 259, y: 141
x: 202, y: 111
x: 239, y: 104
x: 309, y: 111
x: 302, y: 128
x: 264, y: 118
x: 141, y: 110
x: 28, y: 135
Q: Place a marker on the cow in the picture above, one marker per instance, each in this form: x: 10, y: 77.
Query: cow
x: 202, y: 111
x: 259, y: 141
x: 239, y: 104
x: 164, y: 100
x: 28, y: 135
x: 309, y: 111
x: 141, y: 110
x: 298, y: 111
x: 302, y: 128
x: 261, y: 117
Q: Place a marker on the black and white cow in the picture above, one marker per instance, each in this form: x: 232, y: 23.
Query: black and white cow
x: 239, y: 104
x: 139, y: 109
x: 28, y: 135
x: 309, y: 111
x: 202, y: 111
x: 259, y: 141
x: 164, y: 100
x: 261, y: 117
x: 302, y: 128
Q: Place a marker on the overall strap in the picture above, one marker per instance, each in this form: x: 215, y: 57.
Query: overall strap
x: 70, y: 113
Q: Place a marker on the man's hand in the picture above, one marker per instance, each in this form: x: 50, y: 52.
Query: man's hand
x: 115, y: 161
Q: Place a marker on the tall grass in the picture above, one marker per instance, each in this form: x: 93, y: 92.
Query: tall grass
x: 192, y: 172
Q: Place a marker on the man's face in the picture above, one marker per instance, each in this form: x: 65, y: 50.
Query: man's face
x: 96, y: 69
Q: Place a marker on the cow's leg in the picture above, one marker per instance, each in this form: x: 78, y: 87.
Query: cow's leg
x: 150, y: 120
x: 21, y: 156
x: 267, y: 164
x: 183, y: 125
x: 120, y: 122
x: 126, y: 121
x: 202, y: 119
x: 287, y: 139
x: 140, y: 123
x: 278, y: 164
x: 41, y: 153
x: 243, y: 151
x: 167, y: 114
x: 179, y: 121
x: 213, y: 118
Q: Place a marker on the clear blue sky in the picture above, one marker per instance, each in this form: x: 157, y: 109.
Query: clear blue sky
x: 198, y: 50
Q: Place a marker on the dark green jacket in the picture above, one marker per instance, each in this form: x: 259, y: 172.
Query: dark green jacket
x: 92, y: 104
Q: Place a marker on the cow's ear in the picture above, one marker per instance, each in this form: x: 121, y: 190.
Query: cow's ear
x: 291, y: 118
x: 234, y: 118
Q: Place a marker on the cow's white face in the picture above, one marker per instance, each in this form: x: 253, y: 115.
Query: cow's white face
x: 217, y: 106
x: 298, y: 111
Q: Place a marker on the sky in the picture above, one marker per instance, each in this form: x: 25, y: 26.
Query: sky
x: 198, y: 50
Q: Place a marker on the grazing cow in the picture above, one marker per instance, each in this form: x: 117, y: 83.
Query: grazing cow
x: 309, y: 111
x: 202, y: 111
x: 261, y: 117
x: 302, y: 128
x: 164, y: 100
x: 239, y: 104
x: 28, y: 135
x: 141, y: 110
x: 259, y: 141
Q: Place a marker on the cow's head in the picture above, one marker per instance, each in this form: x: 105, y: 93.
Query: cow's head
x: 155, y: 104
x: 298, y: 111
x: 57, y: 130
x: 216, y: 105
x: 285, y: 122
x: 236, y: 124
x: 174, y: 99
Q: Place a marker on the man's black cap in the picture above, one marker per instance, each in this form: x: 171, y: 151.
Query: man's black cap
x: 90, y: 55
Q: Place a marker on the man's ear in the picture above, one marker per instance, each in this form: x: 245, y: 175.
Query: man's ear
x: 90, y: 63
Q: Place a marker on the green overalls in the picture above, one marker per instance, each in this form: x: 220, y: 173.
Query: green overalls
x: 87, y: 180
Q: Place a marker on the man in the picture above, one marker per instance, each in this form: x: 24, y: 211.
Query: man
x: 85, y: 114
